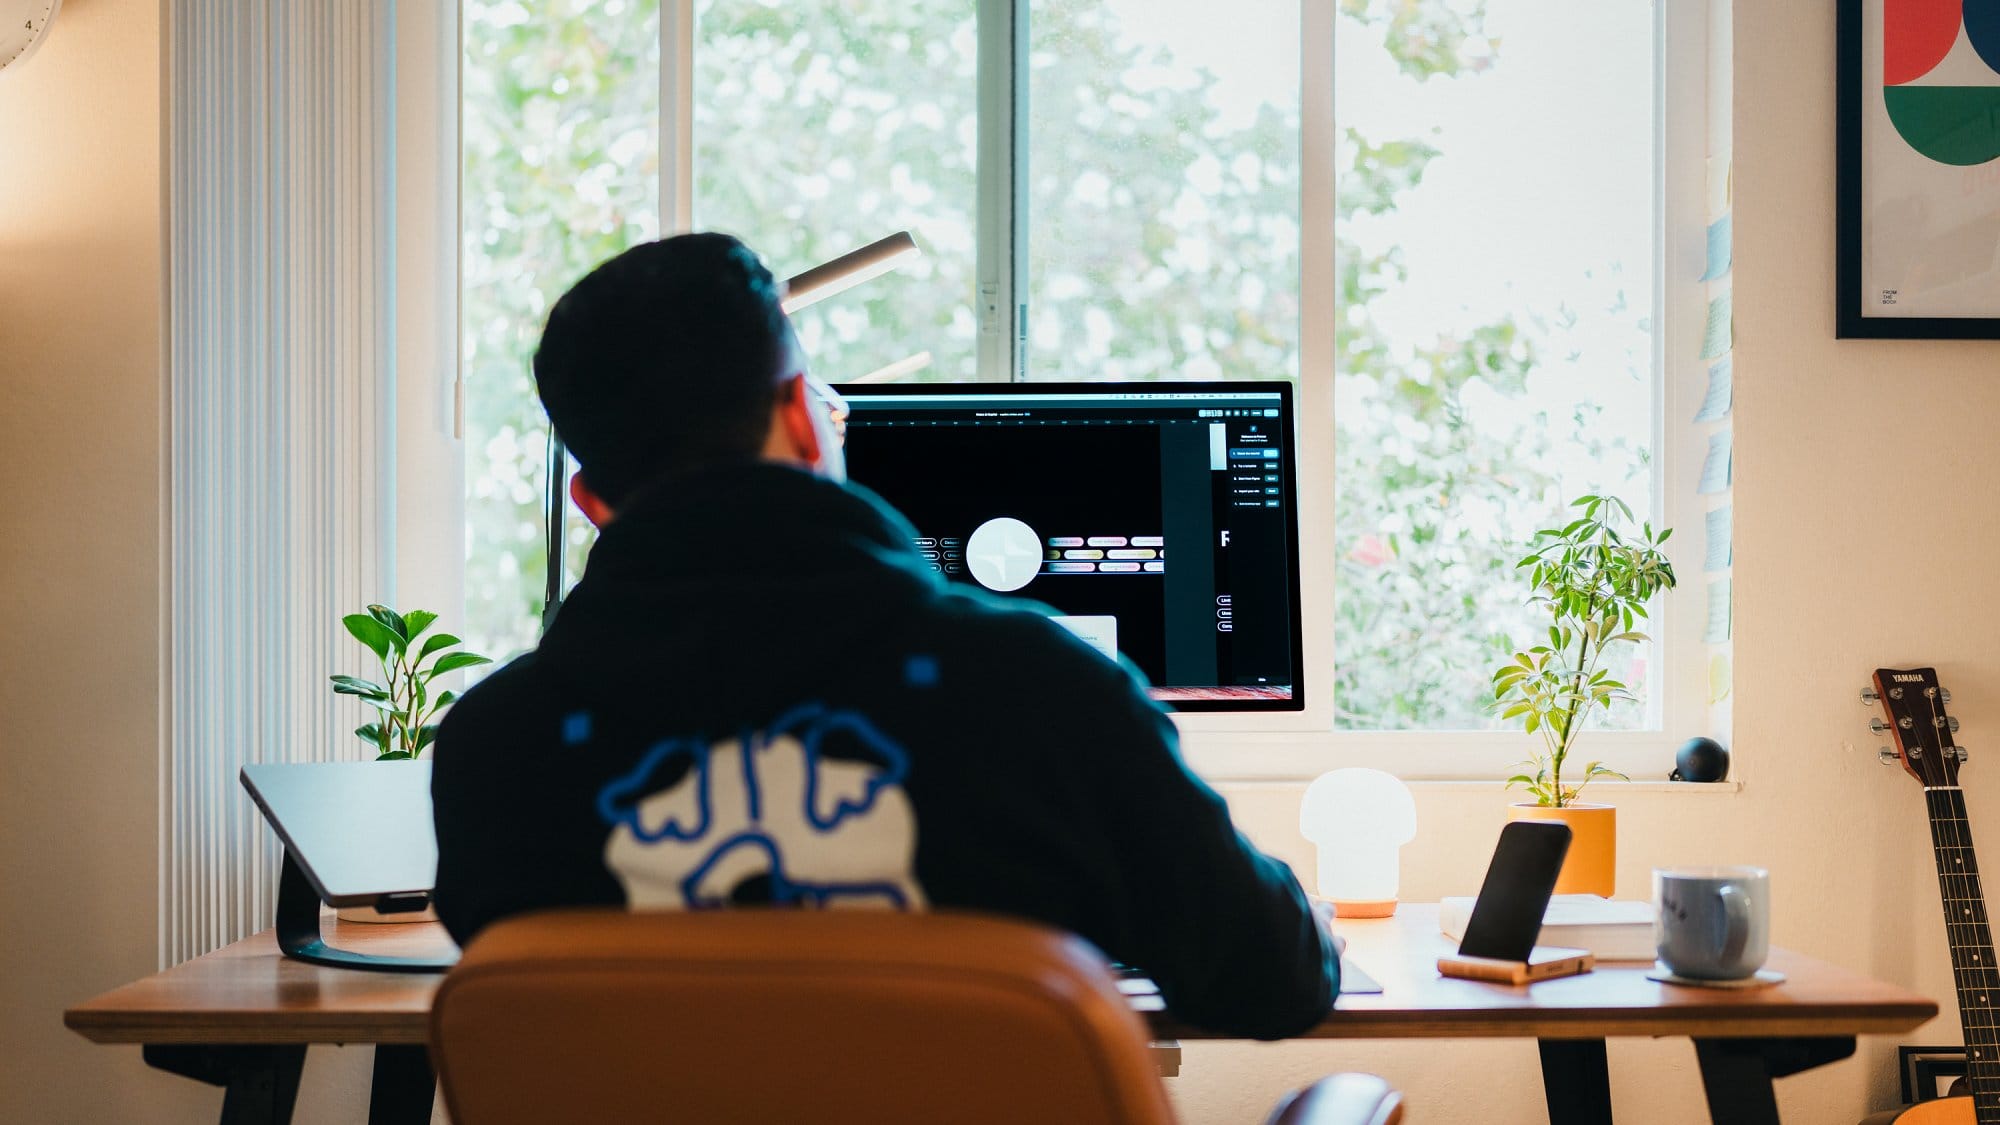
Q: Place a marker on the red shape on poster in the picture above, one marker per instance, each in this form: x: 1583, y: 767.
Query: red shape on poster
x: 1916, y: 36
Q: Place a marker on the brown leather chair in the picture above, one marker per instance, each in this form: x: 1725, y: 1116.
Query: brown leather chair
x: 827, y: 1018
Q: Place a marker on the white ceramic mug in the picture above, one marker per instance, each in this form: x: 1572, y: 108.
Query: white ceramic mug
x: 1712, y: 923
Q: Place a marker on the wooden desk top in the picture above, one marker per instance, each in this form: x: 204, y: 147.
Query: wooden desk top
x: 249, y: 993
x: 1614, y: 1000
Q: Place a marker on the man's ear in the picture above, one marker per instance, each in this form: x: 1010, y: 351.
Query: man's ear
x: 793, y: 435
x: 590, y: 503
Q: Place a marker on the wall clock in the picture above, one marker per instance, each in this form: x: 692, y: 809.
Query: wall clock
x: 23, y: 26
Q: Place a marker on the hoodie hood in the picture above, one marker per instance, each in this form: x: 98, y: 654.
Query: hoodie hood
x: 700, y: 561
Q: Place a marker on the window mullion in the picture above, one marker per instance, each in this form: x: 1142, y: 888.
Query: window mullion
x: 1002, y: 188
x: 676, y: 116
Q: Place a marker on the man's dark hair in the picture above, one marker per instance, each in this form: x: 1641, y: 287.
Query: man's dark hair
x: 662, y: 359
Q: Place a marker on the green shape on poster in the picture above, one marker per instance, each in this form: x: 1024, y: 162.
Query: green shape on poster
x: 1958, y: 125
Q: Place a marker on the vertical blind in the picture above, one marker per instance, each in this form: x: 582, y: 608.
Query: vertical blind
x: 282, y: 400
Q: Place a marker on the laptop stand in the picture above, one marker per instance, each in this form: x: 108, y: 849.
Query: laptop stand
x: 299, y: 936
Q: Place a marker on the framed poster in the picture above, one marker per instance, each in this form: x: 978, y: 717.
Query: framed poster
x: 1919, y: 169
x: 1928, y: 1072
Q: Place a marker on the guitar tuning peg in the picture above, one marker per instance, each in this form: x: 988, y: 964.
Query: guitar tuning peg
x: 1944, y: 694
x: 1878, y: 726
x: 1953, y: 722
x: 1885, y: 755
x: 1962, y: 752
x: 1870, y: 697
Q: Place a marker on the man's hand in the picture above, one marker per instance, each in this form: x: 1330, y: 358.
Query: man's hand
x: 1323, y: 910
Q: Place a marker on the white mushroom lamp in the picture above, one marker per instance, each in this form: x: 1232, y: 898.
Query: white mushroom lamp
x: 1360, y: 819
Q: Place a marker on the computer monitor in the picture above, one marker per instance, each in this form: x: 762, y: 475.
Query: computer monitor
x: 1159, y: 520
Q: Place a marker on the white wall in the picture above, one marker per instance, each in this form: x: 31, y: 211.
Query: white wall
x: 81, y: 318
x: 1863, y: 533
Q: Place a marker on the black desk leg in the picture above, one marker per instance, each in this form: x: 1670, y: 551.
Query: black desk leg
x: 1736, y: 1073
x: 403, y: 1087
x: 1576, y: 1081
x: 259, y: 1084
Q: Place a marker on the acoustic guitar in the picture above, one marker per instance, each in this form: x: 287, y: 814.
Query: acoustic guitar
x: 1921, y: 743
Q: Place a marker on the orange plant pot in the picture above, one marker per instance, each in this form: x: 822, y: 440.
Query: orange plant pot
x: 1591, y: 867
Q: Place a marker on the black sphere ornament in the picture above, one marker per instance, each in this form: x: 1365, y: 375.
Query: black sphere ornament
x: 1700, y: 759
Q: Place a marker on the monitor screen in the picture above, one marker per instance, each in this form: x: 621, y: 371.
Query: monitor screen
x: 1158, y: 520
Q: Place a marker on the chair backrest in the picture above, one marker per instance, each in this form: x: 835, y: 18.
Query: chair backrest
x: 763, y: 1015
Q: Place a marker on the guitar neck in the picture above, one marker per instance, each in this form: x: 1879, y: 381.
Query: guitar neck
x: 1972, y: 967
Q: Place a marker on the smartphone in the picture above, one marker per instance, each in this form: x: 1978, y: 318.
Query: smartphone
x: 1507, y: 916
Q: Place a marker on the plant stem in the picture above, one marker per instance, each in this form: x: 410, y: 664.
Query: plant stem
x: 1577, y: 704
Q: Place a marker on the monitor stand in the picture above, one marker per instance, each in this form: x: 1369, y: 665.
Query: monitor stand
x: 299, y: 938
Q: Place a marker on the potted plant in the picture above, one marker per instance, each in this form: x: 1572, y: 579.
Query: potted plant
x: 407, y: 709
x: 1595, y: 582
x: 407, y: 712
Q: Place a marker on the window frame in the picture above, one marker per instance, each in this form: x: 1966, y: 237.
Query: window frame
x: 1290, y: 746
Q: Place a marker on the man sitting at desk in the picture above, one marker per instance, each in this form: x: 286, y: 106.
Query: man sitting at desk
x: 759, y: 693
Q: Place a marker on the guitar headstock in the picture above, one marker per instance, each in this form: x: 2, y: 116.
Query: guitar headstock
x: 1920, y: 730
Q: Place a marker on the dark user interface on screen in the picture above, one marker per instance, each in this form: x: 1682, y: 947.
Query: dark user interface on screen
x: 1159, y: 524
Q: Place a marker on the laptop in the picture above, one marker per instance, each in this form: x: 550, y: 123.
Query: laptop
x: 360, y: 831
x: 355, y: 834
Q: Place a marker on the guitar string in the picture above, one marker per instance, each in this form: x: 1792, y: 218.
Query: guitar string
x: 1971, y: 968
x: 1950, y: 838
x: 1971, y: 949
x: 1962, y: 892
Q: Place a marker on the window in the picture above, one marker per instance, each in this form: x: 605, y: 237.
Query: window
x: 1496, y: 305
x: 1162, y: 194
x: 822, y: 127
x: 561, y: 145
x: 1112, y: 189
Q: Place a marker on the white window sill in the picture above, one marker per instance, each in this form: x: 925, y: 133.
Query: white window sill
x: 1600, y: 792
x: 1433, y: 758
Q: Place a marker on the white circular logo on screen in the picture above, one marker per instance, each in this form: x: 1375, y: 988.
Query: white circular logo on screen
x: 1004, y: 554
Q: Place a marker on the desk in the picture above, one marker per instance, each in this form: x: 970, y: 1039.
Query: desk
x: 241, y: 1017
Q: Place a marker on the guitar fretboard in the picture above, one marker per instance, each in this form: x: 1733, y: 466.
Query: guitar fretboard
x: 1973, y: 971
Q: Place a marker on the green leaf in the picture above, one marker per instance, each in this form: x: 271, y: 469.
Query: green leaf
x: 384, y: 706
x: 444, y: 700
x: 372, y: 633
x: 440, y: 641
x: 394, y: 756
x: 417, y: 620
x: 426, y: 735
x: 452, y: 662
x: 371, y: 734
x: 354, y: 685
x: 393, y: 620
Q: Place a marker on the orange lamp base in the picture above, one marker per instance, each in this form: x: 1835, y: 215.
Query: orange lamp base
x: 1384, y: 908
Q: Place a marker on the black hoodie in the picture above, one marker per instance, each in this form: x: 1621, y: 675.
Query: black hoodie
x: 759, y: 691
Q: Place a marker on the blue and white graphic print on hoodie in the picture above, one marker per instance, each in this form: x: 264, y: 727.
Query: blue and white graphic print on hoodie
x: 768, y: 806
x: 760, y: 693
